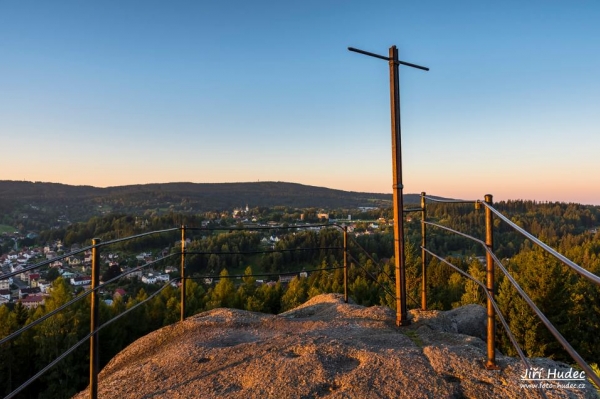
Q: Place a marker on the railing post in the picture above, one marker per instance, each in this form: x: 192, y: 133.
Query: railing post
x: 423, y: 254
x: 94, y: 320
x: 182, y: 317
x: 491, y: 315
x: 346, y: 264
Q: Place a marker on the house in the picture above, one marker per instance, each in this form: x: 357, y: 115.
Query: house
x: 142, y: 256
x: 171, y: 269
x: 66, y: 274
x: 137, y: 273
x: 5, y: 293
x: 44, y: 286
x: 25, y: 292
x: 81, y: 280
x: 119, y: 292
x: 286, y: 278
x: 5, y: 284
x: 36, y: 251
x: 149, y: 279
x: 73, y: 261
x: 33, y: 279
x: 32, y: 302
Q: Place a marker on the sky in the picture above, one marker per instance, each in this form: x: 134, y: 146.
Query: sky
x: 131, y: 92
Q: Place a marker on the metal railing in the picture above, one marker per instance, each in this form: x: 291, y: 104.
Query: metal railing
x: 95, y: 325
x: 492, y: 261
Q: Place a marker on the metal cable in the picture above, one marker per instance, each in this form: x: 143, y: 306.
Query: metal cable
x: 565, y: 344
x: 261, y: 227
x: 372, y: 277
x: 265, y: 274
x: 382, y: 271
x: 258, y: 252
x: 578, y: 269
x: 72, y: 301
x: 450, y: 201
x: 78, y: 344
x: 511, y: 337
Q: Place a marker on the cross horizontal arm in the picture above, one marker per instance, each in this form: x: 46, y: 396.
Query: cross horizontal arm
x: 367, y: 53
x: 387, y: 58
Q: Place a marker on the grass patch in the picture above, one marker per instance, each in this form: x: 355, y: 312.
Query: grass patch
x: 7, y: 229
x: 414, y: 337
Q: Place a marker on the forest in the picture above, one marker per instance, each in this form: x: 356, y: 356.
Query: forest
x: 570, y: 302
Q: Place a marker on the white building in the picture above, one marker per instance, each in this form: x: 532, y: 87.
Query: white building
x: 82, y: 280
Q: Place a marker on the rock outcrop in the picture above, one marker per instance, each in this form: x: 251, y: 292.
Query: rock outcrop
x: 322, y: 349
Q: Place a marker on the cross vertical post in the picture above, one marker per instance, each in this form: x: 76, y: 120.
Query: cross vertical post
x: 401, y: 312
x: 394, y: 62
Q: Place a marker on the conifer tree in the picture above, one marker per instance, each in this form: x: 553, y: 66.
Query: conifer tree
x: 223, y: 293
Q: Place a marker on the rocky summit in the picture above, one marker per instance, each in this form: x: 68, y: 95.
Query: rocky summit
x: 322, y: 349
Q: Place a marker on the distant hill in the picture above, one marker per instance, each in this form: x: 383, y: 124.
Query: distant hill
x: 22, y: 201
x: 201, y: 196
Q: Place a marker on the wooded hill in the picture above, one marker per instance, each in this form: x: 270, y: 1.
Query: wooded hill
x: 201, y: 196
x: 55, y: 201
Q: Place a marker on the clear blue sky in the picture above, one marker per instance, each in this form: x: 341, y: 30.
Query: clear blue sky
x: 128, y: 92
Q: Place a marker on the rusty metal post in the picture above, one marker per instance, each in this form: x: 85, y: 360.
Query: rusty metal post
x: 182, y: 316
x: 491, y: 314
x: 346, y: 264
x: 401, y: 312
x: 423, y: 254
x: 394, y: 62
x: 94, y: 320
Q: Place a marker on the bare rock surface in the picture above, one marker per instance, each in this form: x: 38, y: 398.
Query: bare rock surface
x: 321, y: 349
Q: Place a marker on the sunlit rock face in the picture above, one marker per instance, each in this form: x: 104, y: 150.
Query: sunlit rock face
x: 321, y: 349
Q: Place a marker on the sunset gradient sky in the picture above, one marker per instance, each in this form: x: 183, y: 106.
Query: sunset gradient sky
x: 129, y: 92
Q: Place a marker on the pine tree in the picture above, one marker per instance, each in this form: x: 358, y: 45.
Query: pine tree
x: 223, y: 293
x: 296, y: 293
x: 473, y: 292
